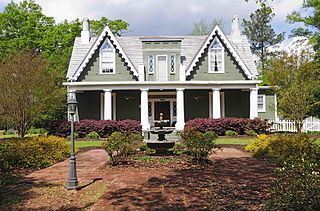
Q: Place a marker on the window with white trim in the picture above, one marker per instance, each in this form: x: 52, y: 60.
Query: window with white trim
x: 216, y: 57
x: 172, y: 64
x: 261, y: 103
x: 107, y: 58
x: 151, y: 64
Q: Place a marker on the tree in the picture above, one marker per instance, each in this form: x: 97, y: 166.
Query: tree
x: 309, y: 15
x: 295, y: 79
x: 116, y: 26
x: 203, y: 27
x: 28, y: 90
x: 260, y: 32
x: 24, y: 26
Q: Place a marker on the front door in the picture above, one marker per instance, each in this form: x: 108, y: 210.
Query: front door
x: 162, y: 68
x: 162, y: 107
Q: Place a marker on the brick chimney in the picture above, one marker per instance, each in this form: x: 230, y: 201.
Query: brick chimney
x: 235, y: 30
x: 85, y: 33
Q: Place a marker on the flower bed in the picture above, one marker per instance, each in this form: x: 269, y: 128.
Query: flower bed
x: 103, y: 127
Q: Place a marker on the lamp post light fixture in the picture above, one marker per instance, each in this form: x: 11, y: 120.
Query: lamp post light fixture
x: 73, y: 180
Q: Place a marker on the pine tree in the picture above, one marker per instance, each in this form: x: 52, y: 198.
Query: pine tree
x: 260, y: 32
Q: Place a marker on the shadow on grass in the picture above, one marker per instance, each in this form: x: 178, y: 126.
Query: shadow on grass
x: 229, y: 184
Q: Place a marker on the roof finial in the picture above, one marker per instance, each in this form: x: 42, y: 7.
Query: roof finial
x: 235, y: 30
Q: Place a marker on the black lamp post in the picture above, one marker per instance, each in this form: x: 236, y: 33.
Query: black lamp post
x: 73, y: 180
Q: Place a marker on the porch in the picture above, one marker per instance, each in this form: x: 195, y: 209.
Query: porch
x: 177, y: 105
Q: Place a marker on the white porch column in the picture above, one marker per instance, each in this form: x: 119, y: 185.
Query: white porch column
x: 141, y: 72
x: 144, y: 110
x: 180, y: 109
x: 253, y: 103
x: 216, y: 104
x: 107, y: 111
x: 182, y: 75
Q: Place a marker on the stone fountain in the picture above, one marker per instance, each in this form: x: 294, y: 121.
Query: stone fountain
x: 161, y: 145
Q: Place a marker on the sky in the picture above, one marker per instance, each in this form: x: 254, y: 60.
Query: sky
x: 163, y: 17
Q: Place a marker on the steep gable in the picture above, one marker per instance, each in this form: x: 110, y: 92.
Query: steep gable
x: 251, y: 72
x: 76, y: 67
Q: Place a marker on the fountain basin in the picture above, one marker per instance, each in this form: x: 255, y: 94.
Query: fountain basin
x: 161, y: 147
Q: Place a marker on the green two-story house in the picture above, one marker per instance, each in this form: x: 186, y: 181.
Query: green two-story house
x: 182, y: 77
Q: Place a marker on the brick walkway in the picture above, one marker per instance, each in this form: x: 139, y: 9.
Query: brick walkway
x: 132, y: 188
x: 88, y: 164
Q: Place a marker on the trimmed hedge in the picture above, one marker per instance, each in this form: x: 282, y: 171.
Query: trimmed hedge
x: 103, y: 127
x: 220, y: 126
x: 35, y: 152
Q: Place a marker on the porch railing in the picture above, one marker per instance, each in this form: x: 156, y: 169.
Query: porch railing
x: 311, y: 124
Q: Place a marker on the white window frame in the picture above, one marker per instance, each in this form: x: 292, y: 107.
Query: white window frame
x: 107, y: 41
x: 174, y: 63
x: 263, y: 109
x: 157, y: 67
x: 153, y: 66
x: 222, y: 57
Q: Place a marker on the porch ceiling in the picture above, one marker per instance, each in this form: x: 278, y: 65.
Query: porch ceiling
x: 156, y: 85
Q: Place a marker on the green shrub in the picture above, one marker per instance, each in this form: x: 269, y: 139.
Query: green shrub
x: 35, y: 152
x: 199, y: 144
x: 297, y: 186
x: 283, y: 148
x: 231, y: 133
x: 93, y: 135
x: 179, y: 148
x: 120, y: 145
x: 250, y: 133
x: 143, y: 147
x: 40, y: 131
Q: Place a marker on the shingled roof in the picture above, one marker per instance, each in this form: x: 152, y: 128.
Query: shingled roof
x: 132, y: 47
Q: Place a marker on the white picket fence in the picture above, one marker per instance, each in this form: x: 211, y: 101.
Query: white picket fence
x: 310, y: 124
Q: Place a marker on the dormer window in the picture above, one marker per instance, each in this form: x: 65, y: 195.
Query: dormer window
x: 216, y: 57
x: 107, y: 58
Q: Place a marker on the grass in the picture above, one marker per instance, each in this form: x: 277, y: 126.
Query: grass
x: 84, y: 144
x: 235, y: 140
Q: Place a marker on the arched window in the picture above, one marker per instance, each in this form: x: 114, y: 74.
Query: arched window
x: 216, y: 57
x: 107, y: 58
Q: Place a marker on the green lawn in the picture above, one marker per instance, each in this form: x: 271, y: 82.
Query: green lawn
x: 239, y: 141
x: 83, y: 144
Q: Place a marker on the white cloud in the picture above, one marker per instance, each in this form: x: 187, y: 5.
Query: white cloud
x: 164, y: 17
x: 196, y: 8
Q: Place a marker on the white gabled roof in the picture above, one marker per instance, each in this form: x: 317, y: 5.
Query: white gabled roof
x: 75, y: 69
x: 251, y: 73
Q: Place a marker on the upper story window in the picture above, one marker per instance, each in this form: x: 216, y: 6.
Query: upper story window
x: 151, y: 64
x: 107, y: 58
x: 216, y: 57
x: 172, y: 64
x: 261, y: 103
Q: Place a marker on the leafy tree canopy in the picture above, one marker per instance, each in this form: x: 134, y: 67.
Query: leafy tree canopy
x: 28, y: 90
x: 24, y: 26
x: 296, y: 80
x: 309, y: 15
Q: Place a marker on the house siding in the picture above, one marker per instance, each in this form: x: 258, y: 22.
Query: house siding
x: 92, y: 70
x: 270, y: 105
x: 232, y: 71
x: 162, y: 48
